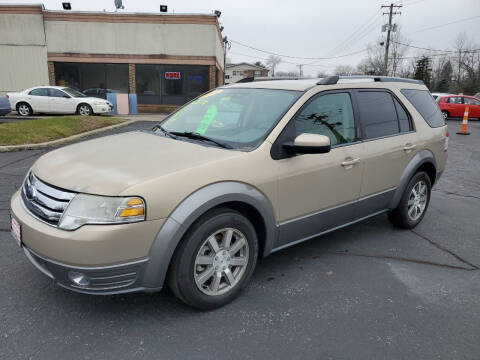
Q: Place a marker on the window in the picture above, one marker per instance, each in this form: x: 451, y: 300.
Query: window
x: 471, y: 101
x: 56, y: 93
x: 425, y: 105
x: 148, y: 84
x: 330, y: 115
x: 196, y: 81
x: 93, y: 79
x: 257, y: 73
x: 454, y: 100
x: 378, y: 114
x: 227, y: 76
x: 116, y: 78
x: 39, y: 92
x: 403, y: 118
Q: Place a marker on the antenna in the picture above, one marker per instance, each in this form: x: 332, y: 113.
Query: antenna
x: 118, y: 5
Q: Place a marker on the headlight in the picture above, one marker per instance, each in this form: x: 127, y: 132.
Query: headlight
x: 100, y: 103
x: 91, y: 209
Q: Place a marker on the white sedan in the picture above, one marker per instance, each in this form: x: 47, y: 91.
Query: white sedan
x: 56, y: 100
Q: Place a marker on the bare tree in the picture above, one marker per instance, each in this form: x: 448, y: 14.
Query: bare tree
x: 345, y: 70
x: 373, y: 63
x: 272, y: 62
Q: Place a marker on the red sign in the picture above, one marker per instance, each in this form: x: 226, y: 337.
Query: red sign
x: 172, y: 75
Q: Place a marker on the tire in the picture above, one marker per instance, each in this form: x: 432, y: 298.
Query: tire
x: 192, y: 276
x: 84, y: 109
x: 445, y: 114
x: 24, y: 109
x: 411, y: 209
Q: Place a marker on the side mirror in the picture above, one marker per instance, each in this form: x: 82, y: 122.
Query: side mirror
x: 309, y: 144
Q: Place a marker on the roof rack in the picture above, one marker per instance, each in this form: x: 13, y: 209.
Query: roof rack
x: 335, y: 79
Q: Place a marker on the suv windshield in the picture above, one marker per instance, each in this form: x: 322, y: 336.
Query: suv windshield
x: 238, y: 117
x: 73, y: 92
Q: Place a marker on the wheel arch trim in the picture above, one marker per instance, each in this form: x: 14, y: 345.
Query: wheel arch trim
x: 422, y: 157
x: 190, y: 209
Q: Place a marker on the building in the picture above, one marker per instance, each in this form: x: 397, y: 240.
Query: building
x: 236, y: 72
x: 166, y: 59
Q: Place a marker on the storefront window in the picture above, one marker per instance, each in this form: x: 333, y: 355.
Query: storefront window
x: 148, y: 84
x: 93, y: 79
x: 170, y: 84
x: 173, y: 78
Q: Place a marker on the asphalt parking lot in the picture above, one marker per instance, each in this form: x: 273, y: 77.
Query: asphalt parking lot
x: 369, y: 291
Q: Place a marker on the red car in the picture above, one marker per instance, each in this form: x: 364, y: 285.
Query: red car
x: 454, y: 106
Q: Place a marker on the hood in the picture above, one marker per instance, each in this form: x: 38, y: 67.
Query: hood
x: 111, y: 164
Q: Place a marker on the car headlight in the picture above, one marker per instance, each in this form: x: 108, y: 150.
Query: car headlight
x: 100, y: 103
x: 91, y: 209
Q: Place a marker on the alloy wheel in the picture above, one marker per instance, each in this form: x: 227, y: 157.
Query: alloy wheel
x: 417, y: 200
x: 84, y: 110
x: 24, y: 110
x: 221, y: 261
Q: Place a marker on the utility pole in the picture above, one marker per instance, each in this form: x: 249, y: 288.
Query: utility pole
x: 300, y: 70
x: 389, y: 28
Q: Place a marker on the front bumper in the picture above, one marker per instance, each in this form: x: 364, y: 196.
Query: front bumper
x: 112, y: 257
x: 102, y: 109
x: 106, y: 280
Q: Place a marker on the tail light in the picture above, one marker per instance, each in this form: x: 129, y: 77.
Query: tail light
x: 445, y: 147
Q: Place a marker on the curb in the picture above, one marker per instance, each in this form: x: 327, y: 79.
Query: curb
x: 67, y: 140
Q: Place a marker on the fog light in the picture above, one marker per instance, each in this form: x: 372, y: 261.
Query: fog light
x: 78, y: 279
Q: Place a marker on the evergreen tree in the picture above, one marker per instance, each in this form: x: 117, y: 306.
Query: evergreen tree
x: 423, y: 70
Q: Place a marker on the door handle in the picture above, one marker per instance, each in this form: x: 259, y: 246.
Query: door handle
x: 351, y: 162
x: 409, y: 147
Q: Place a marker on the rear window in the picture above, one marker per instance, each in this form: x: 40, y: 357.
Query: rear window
x: 427, y: 107
x: 379, y: 117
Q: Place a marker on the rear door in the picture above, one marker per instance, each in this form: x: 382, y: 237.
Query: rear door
x: 455, y: 106
x: 39, y: 100
x: 389, y: 143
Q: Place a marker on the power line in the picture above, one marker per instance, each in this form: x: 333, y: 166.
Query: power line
x: 297, y: 57
x: 361, y: 28
x: 422, y: 48
x: 446, y: 24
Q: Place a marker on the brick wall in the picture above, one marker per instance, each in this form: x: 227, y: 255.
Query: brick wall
x: 51, y: 73
x: 211, y: 73
x: 131, y: 79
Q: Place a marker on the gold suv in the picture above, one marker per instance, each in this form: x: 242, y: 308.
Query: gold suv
x: 240, y: 172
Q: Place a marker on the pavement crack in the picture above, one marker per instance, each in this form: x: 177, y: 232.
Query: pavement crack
x: 397, y: 258
x: 456, y: 194
x: 444, y: 249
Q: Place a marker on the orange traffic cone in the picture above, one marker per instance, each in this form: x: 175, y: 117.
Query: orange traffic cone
x: 463, y: 130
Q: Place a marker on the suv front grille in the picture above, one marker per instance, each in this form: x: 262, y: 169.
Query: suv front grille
x: 46, y: 202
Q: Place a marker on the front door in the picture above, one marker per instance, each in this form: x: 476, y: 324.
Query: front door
x: 318, y: 191
x: 473, y: 107
x: 60, y: 102
x: 389, y: 145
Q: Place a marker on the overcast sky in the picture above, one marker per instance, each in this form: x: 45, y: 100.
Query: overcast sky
x: 313, y: 28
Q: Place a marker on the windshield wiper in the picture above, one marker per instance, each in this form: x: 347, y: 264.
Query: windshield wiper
x: 165, y: 131
x: 197, y: 136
